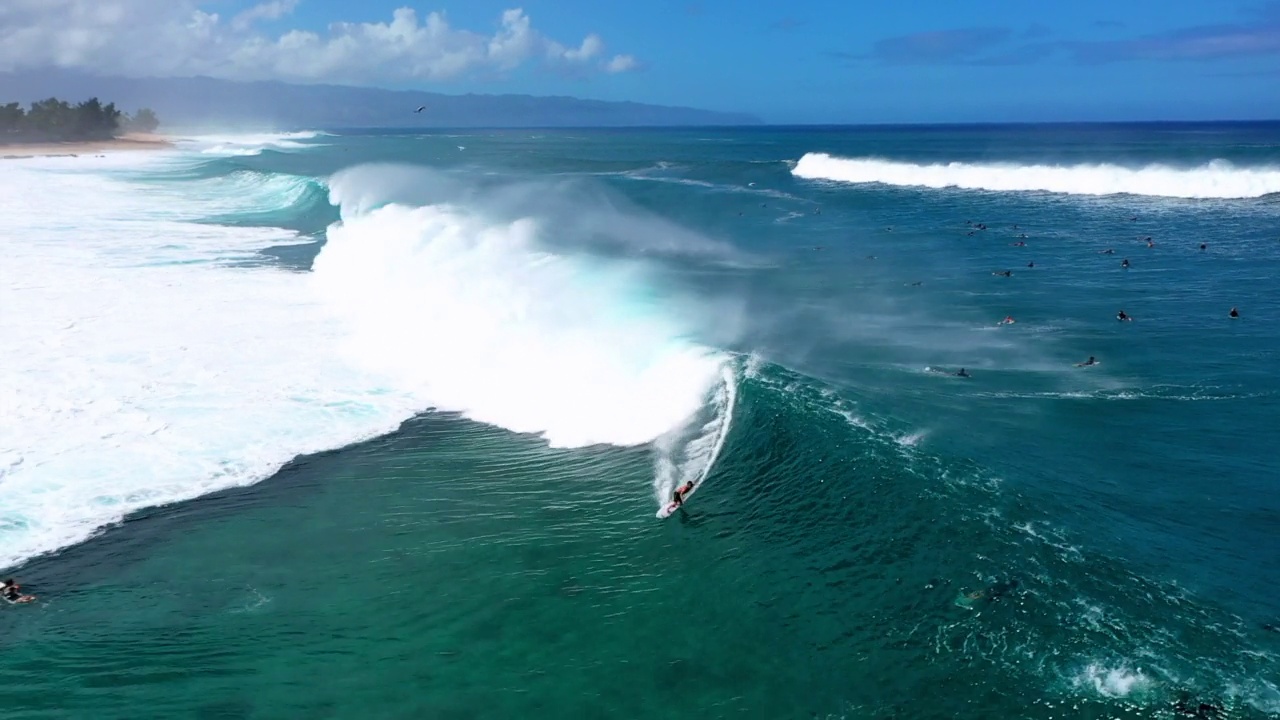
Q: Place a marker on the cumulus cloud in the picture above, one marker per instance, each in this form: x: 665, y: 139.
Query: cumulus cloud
x: 183, y: 37
x: 266, y: 11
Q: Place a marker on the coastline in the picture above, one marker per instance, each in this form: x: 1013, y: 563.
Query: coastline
x: 128, y: 142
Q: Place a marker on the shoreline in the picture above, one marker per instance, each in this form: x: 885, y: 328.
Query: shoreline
x: 126, y: 142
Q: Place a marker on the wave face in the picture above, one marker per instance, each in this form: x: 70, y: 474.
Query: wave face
x: 151, y: 357
x: 1217, y: 179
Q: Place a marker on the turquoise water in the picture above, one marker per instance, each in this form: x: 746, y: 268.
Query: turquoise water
x: 545, y: 311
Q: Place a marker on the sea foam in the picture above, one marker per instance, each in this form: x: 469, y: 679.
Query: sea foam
x: 479, y: 316
x: 1217, y: 179
x: 145, y: 362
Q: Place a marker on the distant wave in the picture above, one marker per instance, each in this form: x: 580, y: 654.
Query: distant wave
x: 250, y: 144
x: 1217, y: 179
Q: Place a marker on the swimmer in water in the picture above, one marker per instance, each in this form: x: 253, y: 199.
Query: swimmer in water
x: 1004, y: 273
x: 1108, y: 251
x: 1203, y: 247
x: 1091, y: 361
x: 1234, y: 313
x: 1122, y: 317
x: 1018, y: 244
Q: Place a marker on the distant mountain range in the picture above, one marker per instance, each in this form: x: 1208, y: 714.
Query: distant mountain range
x: 202, y: 101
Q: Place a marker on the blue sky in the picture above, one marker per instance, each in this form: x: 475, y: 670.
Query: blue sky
x: 800, y: 61
x: 829, y: 61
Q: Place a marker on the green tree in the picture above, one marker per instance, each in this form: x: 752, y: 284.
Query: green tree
x: 49, y: 119
x: 12, y: 120
x: 144, y: 120
x: 55, y: 120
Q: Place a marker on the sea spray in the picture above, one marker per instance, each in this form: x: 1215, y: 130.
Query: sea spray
x: 475, y: 315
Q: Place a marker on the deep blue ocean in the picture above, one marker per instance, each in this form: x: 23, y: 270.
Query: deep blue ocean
x: 376, y: 424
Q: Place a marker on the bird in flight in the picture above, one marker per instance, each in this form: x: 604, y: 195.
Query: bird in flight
x: 420, y: 109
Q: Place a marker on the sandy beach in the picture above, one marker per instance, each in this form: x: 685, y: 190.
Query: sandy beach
x: 129, y: 141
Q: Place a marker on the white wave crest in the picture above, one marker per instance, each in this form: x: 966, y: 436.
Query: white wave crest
x: 475, y: 315
x: 144, y: 363
x: 249, y: 144
x: 1217, y: 179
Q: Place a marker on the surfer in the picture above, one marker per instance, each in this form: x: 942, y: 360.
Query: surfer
x: 1203, y: 247
x: 1004, y: 273
x: 1123, y: 317
x: 1108, y: 251
x: 1031, y: 264
x: 1008, y: 320
x: 12, y: 592
x: 1125, y: 263
x: 678, y: 495
x: 1234, y: 313
x: 1091, y: 361
x: 963, y: 373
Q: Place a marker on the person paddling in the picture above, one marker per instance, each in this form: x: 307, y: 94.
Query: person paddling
x: 12, y: 592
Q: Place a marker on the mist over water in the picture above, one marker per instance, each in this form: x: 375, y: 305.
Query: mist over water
x: 517, y: 344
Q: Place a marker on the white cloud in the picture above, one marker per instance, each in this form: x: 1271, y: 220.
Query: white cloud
x: 273, y: 10
x: 622, y: 63
x: 178, y: 37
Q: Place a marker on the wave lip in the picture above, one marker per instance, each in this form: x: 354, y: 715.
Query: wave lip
x: 474, y: 314
x: 1217, y: 179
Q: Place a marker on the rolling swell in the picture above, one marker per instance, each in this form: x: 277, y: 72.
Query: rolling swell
x: 930, y: 569
x: 1217, y: 179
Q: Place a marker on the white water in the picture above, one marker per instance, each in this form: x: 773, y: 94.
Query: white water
x: 143, y: 365
x: 245, y: 145
x: 688, y: 453
x: 475, y: 315
x: 1217, y: 179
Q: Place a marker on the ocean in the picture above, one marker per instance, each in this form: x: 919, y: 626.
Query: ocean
x: 376, y: 424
